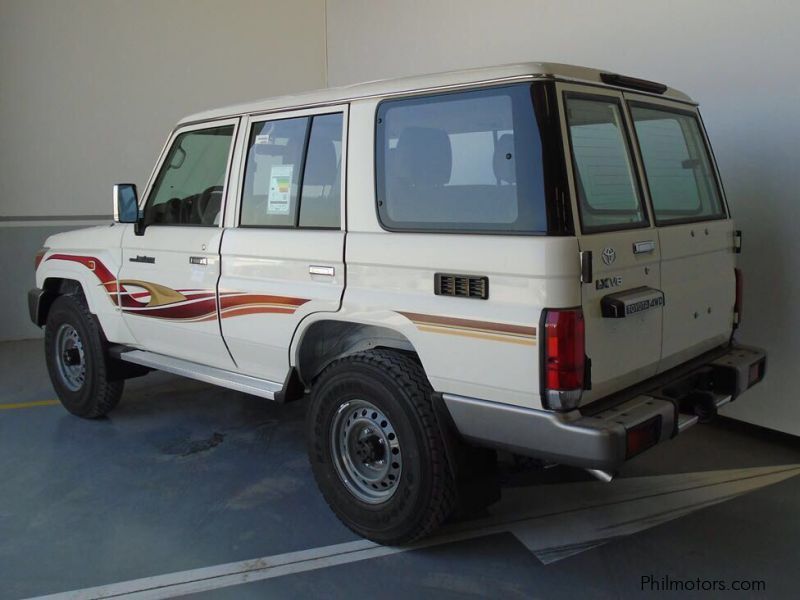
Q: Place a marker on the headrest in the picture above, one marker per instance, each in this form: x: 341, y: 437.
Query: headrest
x: 321, y: 163
x: 504, y: 159
x: 199, y: 207
x: 424, y: 155
x: 213, y: 205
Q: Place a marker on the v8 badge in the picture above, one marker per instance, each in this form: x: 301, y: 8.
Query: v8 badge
x: 608, y: 282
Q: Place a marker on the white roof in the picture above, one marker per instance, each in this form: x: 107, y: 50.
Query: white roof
x: 389, y: 87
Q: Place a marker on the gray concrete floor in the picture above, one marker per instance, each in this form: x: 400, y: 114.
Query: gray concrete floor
x: 183, y: 476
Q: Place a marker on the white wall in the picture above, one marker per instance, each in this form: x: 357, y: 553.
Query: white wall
x: 89, y: 90
x: 739, y: 59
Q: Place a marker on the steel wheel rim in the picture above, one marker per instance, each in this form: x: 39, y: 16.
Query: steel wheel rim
x: 70, y: 358
x: 366, y: 451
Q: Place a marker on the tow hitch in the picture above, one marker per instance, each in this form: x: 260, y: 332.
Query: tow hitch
x: 704, y: 404
x: 701, y: 394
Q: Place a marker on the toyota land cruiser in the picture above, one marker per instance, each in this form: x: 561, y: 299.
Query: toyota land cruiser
x: 537, y: 258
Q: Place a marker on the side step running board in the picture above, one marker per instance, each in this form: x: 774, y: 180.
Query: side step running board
x: 221, y: 377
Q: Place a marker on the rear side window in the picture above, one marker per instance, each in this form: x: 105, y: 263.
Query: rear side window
x: 322, y: 182
x: 677, y: 165
x: 292, y: 177
x: 467, y: 161
x: 608, y: 193
x: 272, y: 172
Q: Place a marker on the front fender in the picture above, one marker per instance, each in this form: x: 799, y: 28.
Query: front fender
x: 96, y: 272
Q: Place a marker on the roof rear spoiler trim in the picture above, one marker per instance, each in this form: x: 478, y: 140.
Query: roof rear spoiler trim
x: 633, y: 82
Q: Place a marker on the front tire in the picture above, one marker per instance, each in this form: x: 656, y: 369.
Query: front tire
x: 376, y: 449
x: 77, y: 360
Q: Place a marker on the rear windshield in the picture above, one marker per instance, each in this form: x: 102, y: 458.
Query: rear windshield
x: 677, y: 164
x: 605, y: 180
x: 466, y: 161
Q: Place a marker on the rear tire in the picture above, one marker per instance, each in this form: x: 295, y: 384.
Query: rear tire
x: 77, y: 359
x: 376, y: 450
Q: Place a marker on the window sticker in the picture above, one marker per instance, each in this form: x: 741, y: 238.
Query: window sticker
x: 280, y: 189
x: 263, y: 139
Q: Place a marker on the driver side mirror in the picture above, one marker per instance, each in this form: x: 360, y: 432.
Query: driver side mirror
x: 126, y: 205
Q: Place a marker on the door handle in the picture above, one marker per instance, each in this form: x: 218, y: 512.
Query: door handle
x: 642, y: 247
x: 198, y: 260
x: 321, y: 270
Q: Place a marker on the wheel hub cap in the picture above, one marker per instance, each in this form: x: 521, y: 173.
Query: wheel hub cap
x: 70, y: 358
x: 369, y: 447
x: 366, y: 451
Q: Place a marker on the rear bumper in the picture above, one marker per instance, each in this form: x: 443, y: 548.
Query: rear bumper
x: 606, y: 433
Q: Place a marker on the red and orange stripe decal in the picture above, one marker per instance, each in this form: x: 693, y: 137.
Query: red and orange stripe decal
x: 186, y: 306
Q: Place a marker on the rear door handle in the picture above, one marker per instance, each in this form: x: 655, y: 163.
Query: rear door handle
x: 198, y: 260
x: 642, y: 247
x: 321, y: 270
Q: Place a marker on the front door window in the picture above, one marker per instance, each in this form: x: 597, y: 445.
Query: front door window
x: 188, y: 189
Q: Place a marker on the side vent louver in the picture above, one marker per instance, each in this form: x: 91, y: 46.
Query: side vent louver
x: 461, y: 286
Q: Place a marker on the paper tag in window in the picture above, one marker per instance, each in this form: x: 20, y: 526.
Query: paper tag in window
x: 262, y: 139
x: 280, y: 189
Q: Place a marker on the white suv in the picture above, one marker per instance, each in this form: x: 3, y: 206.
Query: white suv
x: 536, y: 258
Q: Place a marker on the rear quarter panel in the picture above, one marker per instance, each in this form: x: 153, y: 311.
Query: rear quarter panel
x: 481, y: 348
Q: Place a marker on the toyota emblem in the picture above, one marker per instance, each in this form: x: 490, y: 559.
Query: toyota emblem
x: 609, y: 256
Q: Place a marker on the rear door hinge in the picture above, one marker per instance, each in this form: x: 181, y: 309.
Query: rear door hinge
x: 737, y: 241
x: 586, y: 266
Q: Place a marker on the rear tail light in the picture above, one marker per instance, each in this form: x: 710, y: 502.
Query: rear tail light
x: 737, y: 305
x: 563, y: 358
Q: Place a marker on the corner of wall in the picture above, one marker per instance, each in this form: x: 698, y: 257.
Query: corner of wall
x: 325, y: 33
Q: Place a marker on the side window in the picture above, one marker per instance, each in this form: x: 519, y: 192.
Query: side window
x: 292, y: 175
x: 608, y: 194
x: 188, y: 189
x: 322, y: 181
x: 272, y: 172
x: 466, y: 161
x: 677, y: 165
